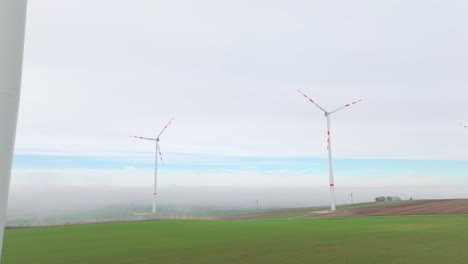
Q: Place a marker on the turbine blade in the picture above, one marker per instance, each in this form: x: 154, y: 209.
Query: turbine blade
x: 145, y: 138
x: 160, y: 154
x: 465, y: 126
x: 165, y: 127
x: 312, y: 101
x: 346, y: 105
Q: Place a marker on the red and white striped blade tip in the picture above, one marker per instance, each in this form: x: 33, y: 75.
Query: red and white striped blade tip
x: 310, y: 99
x: 170, y: 121
x: 145, y: 138
x: 162, y: 131
x: 355, y: 102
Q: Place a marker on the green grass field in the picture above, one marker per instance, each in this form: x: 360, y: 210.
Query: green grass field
x: 409, y: 239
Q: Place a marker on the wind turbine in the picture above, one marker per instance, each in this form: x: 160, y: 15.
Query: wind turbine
x: 330, y: 163
x: 158, y: 151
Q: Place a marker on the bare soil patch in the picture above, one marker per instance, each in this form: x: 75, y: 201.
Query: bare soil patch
x: 421, y: 207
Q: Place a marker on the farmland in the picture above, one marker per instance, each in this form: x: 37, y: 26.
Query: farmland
x: 383, y: 239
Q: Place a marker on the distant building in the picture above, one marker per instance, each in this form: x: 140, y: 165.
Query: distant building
x: 387, y: 198
x: 380, y: 199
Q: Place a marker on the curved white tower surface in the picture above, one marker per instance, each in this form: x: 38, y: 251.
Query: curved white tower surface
x: 12, y: 26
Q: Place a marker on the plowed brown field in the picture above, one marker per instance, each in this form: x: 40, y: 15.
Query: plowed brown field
x: 423, y: 207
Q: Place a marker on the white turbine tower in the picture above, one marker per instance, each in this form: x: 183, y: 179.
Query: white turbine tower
x: 330, y: 163
x: 158, y: 151
x: 12, y: 24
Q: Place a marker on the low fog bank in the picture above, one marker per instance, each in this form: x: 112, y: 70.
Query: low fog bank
x: 30, y: 202
x: 55, y: 204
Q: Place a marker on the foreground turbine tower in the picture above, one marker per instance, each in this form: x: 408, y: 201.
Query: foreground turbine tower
x: 12, y: 23
x: 158, y: 151
x: 330, y: 163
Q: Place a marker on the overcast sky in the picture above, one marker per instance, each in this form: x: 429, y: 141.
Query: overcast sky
x: 96, y: 72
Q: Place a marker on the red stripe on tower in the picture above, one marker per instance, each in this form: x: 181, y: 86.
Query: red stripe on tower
x: 332, y: 185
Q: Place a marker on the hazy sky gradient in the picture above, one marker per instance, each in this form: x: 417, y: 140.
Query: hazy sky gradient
x: 96, y: 72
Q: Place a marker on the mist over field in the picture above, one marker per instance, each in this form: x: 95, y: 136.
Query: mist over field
x: 57, y: 204
x: 50, y: 189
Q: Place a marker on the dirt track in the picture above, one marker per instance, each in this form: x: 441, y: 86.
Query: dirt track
x: 423, y: 207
